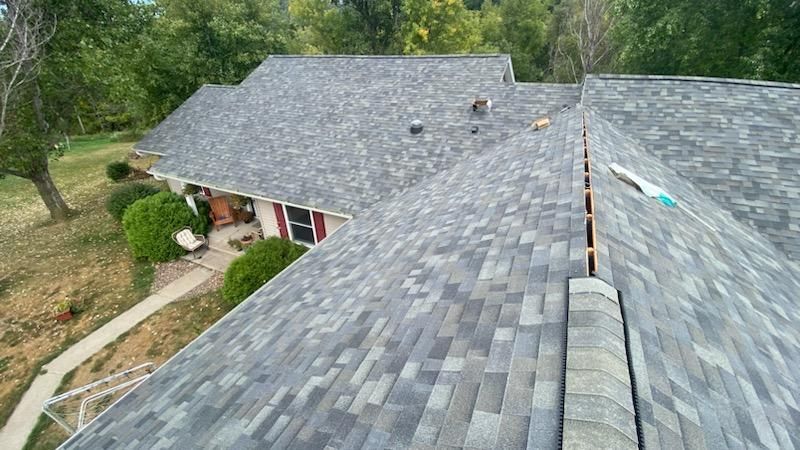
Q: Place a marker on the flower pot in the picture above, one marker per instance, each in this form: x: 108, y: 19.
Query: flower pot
x: 64, y: 316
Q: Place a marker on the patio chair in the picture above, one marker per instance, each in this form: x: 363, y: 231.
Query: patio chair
x: 190, y: 242
x: 220, y: 211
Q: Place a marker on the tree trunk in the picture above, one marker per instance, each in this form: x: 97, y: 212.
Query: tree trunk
x: 50, y: 195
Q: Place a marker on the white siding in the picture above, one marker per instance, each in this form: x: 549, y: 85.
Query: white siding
x: 175, y: 186
x: 332, y: 223
x: 266, y: 214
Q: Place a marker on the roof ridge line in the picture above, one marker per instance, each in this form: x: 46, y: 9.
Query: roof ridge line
x: 696, y: 79
x: 217, y: 85
x: 575, y: 417
x: 462, y: 55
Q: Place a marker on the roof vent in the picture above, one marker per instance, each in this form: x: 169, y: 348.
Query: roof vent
x: 541, y: 122
x: 416, y: 126
x: 481, y: 103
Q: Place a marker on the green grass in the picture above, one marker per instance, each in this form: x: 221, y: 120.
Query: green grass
x: 82, y: 144
x: 86, y: 259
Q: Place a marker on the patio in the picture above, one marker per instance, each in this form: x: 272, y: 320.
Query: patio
x: 218, y: 240
x: 219, y: 254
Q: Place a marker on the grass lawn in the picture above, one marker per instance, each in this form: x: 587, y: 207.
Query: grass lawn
x: 155, y: 339
x: 85, y: 259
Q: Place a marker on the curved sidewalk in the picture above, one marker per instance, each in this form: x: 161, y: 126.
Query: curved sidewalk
x: 15, y: 433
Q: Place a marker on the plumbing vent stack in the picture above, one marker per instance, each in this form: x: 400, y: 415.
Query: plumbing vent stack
x: 416, y: 126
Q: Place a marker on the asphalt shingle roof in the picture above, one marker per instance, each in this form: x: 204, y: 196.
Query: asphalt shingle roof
x: 435, y: 319
x: 712, y: 308
x: 738, y: 140
x: 333, y: 132
x: 453, y: 310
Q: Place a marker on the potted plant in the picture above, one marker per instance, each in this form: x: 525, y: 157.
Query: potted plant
x: 63, y: 310
x: 235, y: 244
x: 247, y: 239
x: 240, y: 204
x: 239, y: 201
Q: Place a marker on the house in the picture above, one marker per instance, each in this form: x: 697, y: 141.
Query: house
x: 316, y: 140
x: 493, y: 289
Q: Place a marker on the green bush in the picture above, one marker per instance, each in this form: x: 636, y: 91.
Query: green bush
x: 125, y: 195
x: 263, y: 260
x: 118, y: 170
x: 150, y: 222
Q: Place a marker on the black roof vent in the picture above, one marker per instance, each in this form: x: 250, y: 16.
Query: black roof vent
x: 416, y: 126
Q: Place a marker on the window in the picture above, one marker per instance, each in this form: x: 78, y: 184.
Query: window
x: 300, y: 225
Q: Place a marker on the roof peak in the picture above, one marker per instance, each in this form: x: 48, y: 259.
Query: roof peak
x: 690, y: 78
x: 224, y: 86
x: 465, y: 55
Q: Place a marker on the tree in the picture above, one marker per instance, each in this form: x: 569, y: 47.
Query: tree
x: 89, y: 79
x: 583, y: 38
x: 324, y: 28
x: 525, y: 24
x: 214, y: 41
x: 780, y: 58
x: 24, y: 147
x: 439, y: 27
x: 721, y: 38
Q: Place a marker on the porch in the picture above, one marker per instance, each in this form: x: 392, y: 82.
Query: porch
x: 218, y: 239
x: 219, y: 254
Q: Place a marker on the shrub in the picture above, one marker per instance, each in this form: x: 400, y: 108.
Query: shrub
x: 150, y: 222
x: 125, y: 195
x: 117, y: 171
x: 203, y: 208
x: 263, y: 260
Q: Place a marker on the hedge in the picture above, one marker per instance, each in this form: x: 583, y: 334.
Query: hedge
x: 150, y: 222
x: 125, y: 195
x: 117, y: 171
x: 263, y: 260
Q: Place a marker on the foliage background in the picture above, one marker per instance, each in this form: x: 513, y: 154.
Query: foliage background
x: 125, y: 64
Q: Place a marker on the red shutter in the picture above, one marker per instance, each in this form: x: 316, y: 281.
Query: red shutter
x: 206, y: 191
x: 281, y: 220
x: 319, y: 225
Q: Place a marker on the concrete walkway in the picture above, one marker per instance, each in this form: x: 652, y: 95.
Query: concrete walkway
x: 22, y: 421
x: 212, y: 259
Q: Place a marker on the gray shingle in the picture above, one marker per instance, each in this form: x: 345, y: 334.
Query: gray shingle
x: 598, y: 397
x: 708, y: 302
x: 333, y: 132
x: 358, y: 274
x: 437, y: 316
x: 738, y: 140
